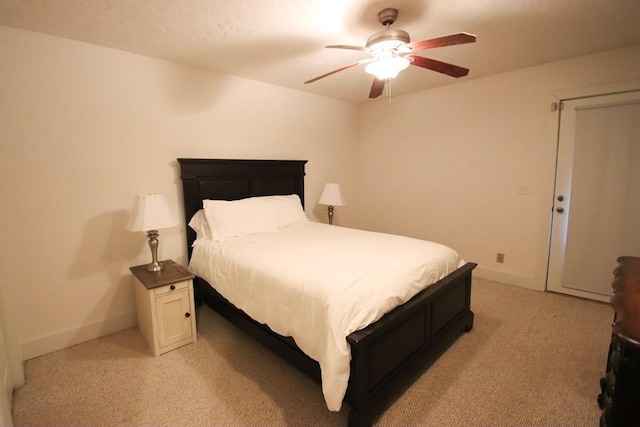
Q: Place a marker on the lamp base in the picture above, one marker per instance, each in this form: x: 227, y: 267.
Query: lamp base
x: 158, y: 266
x: 330, y: 214
x: 153, y: 245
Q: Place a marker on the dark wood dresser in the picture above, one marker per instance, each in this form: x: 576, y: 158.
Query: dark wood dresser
x: 620, y: 395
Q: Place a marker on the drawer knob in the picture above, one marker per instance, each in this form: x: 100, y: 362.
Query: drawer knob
x: 187, y: 314
x: 172, y: 287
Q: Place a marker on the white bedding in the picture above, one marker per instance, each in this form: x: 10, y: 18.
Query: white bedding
x: 318, y: 283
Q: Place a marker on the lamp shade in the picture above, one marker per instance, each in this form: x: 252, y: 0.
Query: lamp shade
x: 331, y: 195
x: 152, y: 212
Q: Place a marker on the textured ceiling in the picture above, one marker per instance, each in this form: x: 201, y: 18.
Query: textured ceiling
x: 281, y: 42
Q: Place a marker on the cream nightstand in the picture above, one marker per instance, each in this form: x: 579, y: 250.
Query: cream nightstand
x: 164, y: 301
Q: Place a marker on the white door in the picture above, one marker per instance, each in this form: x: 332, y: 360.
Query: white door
x: 596, y: 209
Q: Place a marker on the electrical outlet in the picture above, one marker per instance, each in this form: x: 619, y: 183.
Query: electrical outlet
x: 500, y: 258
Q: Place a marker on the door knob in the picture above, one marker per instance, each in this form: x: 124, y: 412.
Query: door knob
x: 560, y: 210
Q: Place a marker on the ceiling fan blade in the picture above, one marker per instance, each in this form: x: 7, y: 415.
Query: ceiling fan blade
x: 376, y: 88
x: 453, y: 39
x: 346, y: 46
x: 441, y: 67
x: 346, y: 67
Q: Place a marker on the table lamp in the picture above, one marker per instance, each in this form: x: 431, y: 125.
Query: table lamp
x: 331, y: 196
x: 151, y: 213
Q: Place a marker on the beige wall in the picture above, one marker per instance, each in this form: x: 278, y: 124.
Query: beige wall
x: 447, y: 164
x: 84, y: 129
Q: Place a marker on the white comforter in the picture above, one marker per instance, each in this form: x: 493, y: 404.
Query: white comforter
x: 318, y: 283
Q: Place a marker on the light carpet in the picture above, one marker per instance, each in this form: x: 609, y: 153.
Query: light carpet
x: 532, y: 359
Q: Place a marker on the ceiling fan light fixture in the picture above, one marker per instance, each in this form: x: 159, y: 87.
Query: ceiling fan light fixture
x: 387, y: 67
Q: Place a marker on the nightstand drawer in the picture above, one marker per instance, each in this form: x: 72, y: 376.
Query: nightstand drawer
x: 171, y: 288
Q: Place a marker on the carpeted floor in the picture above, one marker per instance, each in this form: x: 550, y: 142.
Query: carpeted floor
x: 532, y: 359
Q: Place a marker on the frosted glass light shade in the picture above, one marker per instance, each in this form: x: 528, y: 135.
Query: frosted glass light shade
x: 152, y: 212
x: 331, y: 195
x: 387, y: 67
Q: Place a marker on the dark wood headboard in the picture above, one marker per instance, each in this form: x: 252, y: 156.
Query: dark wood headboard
x: 223, y: 179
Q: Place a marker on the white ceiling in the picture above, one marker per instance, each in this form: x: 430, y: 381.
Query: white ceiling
x: 282, y: 41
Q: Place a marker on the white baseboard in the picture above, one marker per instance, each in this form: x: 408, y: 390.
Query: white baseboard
x: 508, y: 278
x: 64, y: 339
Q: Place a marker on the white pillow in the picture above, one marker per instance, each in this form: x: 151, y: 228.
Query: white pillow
x: 200, y: 225
x: 284, y: 210
x: 237, y: 218
x: 252, y: 215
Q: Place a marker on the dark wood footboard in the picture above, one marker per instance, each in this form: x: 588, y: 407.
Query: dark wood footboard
x: 384, y: 354
x: 406, y: 340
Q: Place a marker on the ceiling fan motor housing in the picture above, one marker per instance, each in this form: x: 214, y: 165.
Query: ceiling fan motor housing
x: 391, y: 38
x: 398, y: 36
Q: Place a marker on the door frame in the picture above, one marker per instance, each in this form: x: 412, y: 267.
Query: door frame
x: 557, y: 99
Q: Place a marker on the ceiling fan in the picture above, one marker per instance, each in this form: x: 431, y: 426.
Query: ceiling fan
x: 391, y: 51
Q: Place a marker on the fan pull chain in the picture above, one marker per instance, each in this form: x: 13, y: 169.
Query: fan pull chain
x: 389, y: 90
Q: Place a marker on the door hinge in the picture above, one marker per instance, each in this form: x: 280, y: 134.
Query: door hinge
x: 555, y: 106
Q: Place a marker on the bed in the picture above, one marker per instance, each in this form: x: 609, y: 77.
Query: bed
x: 384, y: 354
